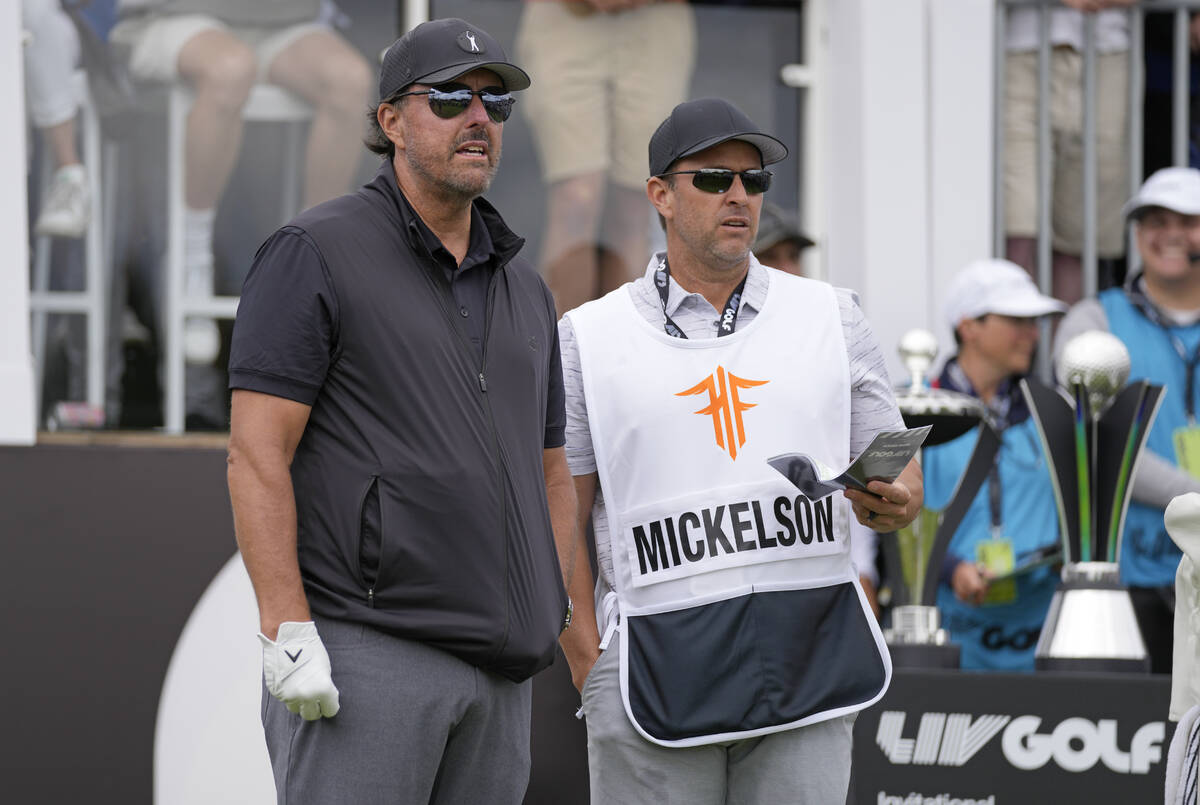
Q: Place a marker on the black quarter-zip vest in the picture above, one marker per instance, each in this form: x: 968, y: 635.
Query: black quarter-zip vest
x: 419, y: 488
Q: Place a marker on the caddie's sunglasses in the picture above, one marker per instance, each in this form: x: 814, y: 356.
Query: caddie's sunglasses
x: 718, y: 180
x: 451, y: 100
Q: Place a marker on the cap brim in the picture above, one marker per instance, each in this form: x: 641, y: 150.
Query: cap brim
x: 1135, y: 206
x: 767, y: 239
x: 1029, y: 307
x: 771, y: 149
x: 514, y: 77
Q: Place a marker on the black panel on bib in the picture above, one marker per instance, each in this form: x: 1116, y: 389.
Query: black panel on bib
x: 751, y: 662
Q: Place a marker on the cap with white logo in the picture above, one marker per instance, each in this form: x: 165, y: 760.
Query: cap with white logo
x: 695, y: 125
x: 996, y: 286
x: 441, y: 50
x: 1175, y: 189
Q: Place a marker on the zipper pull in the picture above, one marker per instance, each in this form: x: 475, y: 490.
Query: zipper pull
x: 482, y: 383
x: 371, y: 598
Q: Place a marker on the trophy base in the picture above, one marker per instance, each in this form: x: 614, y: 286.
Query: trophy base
x: 1091, y: 625
x: 916, y: 639
x: 929, y: 655
x: 1093, y: 665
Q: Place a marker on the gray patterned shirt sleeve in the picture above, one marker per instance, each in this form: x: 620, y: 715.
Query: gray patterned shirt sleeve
x: 872, y: 403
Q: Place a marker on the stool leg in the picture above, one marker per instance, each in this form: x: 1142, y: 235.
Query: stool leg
x: 41, y: 283
x: 94, y: 258
x: 172, y: 327
x: 293, y: 159
x: 114, y: 279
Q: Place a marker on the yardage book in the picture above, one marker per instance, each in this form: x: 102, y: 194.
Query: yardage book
x: 885, y: 457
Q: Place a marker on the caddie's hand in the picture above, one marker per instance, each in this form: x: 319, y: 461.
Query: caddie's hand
x: 296, y: 670
x: 883, y: 507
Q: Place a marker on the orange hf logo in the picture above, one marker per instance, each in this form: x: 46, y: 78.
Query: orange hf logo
x: 725, y: 407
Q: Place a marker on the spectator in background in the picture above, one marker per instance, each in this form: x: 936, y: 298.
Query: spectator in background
x: 993, y: 308
x: 1066, y: 135
x: 1158, y: 131
x: 780, y: 243
x: 608, y: 71
x: 1157, y: 316
x: 221, y: 48
x: 51, y: 55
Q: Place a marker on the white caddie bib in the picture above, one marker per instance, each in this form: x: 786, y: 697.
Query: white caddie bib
x: 740, y: 612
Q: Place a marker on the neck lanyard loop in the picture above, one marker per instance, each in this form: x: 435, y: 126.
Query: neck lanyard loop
x: 728, y: 321
x: 995, y: 498
x: 1190, y: 362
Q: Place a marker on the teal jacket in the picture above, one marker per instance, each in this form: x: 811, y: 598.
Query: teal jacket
x: 1148, y: 556
x: 999, y: 637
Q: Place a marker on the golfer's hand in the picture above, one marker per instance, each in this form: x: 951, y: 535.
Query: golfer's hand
x: 296, y: 670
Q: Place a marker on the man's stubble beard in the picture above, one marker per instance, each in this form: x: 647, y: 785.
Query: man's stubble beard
x: 462, y: 185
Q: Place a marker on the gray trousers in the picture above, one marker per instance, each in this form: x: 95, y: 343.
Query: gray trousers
x: 416, y: 725
x: 805, y: 766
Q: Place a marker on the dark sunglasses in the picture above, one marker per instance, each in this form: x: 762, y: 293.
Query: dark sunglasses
x: 718, y: 180
x: 451, y: 100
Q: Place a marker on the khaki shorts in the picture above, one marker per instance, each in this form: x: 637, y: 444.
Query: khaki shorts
x: 1066, y: 146
x: 602, y: 83
x: 153, y: 42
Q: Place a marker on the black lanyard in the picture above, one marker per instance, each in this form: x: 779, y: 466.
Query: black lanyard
x: 728, y: 322
x: 1190, y: 363
x: 995, y: 494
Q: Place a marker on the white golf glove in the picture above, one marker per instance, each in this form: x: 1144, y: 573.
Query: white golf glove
x: 296, y: 670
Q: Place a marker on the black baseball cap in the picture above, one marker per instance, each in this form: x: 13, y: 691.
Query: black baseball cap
x: 696, y: 125
x: 441, y: 50
x: 776, y: 225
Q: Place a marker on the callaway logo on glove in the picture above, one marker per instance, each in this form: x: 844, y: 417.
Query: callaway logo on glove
x: 296, y: 670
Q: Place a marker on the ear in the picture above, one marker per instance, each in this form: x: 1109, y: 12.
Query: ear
x: 661, y: 196
x: 967, y: 330
x: 392, y: 123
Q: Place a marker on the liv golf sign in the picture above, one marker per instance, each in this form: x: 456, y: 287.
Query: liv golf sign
x: 1076, y: 744
x: 957, y: 738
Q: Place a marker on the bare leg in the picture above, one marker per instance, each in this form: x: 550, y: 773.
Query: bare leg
x: 1023, y: 252
x: 61, y: 140
x: 569, y: 247
x: 626, y: 241
x: 334, y: 78
x: 221, y: 71
x: 1068, y: 278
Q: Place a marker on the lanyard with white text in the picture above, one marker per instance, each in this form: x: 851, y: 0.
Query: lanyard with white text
x: 729, y: 316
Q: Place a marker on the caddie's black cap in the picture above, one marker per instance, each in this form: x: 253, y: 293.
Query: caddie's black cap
x: 442, y: 50
x: 696, y: 125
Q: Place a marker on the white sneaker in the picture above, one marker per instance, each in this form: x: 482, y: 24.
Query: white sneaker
x: 67, y: 209
x: 201, y: 338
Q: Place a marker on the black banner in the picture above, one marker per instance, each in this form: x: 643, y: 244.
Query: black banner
x: 954, y: 738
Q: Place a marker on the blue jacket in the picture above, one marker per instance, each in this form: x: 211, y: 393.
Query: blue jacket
x: 999, y: 636
x: 1148, y: 556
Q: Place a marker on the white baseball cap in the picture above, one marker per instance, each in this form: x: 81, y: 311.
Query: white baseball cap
x: 1175, y: 189
x: 996, y: 286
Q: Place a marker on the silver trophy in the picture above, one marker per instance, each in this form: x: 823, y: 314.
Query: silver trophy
x: 916, y: 638
x: 1092, y: 433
